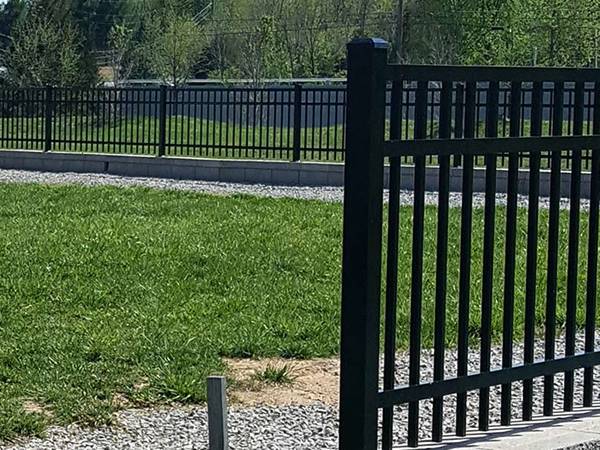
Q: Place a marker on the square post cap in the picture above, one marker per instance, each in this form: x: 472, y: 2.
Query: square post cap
x: 376, y: 43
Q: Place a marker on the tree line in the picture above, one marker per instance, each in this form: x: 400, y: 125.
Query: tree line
x: 61, y: 42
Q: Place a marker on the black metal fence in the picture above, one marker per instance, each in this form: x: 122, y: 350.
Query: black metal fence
x: 301, y: 122
x: 458, y: 135
x: 290, y: 123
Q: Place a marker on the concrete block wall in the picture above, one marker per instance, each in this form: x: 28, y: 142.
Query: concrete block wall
x: 262, y: 172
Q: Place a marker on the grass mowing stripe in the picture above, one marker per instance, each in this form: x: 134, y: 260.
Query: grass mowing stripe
x: 112, y: 297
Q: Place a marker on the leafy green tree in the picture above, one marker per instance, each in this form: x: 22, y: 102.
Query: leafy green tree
x: 223, y: 47
x: 485, y: 32
x: 261, y: 39
x: 561, y: 32
x: 281, y: 38
x: 315, y: 46
x: 124, y: 53
x: 174, y: 46
x: 508, y: 32
x: 262, y: 54
x: 42, y: 52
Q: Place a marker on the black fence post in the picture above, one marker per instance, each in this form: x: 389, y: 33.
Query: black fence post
x: 48, y: 113
x: 297, y: 121
x: 362, y: 251
x: 162, y: 121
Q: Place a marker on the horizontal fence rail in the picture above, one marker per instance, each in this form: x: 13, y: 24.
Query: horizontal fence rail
x: 301, y: 122
x: 466, y: 105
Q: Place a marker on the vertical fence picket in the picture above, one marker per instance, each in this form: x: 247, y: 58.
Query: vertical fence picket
x: 553, y: 230
x: 109, y: 121
x: 212, y: 122
x: 416, y: 297
x: 219, y: 120
x: 442, y: 260
x: 93, y: 120
x: 573, y: 251
x: 4, y: 119
x: 224, y: 143
x: 103, y: 127
x: 297, y: 122
x: 26, y: 108
x: 532, y: 249
x: 15, y: 122
x: 465, y: 260
x: 250, y: 120
x: 487, y: 278
x: 9, y: 133
x: 592, y: 262
x: 389, y: 367
x: 49, y: 108
x: 142, y: 117
x: 335, y: 122
x: 15, y: 115
x: 124, y: 120
x: 510, y: 253
x: 162, y: 121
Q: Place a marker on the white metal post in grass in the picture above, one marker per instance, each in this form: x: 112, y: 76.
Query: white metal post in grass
x: 217, y: 414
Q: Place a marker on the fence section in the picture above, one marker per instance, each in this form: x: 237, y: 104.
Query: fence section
x: 469, y: 129
x: 22, y: 118
x: 282, y: 123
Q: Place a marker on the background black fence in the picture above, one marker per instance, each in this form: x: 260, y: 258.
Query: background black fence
x: 289, y: 123
x: 525, y: 120
x: 301, y: 122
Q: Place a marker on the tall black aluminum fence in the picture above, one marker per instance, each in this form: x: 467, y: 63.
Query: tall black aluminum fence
x: 370, y: 145
x: 302, y: 122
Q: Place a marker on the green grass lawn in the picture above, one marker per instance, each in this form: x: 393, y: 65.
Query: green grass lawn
x: 111, y: 293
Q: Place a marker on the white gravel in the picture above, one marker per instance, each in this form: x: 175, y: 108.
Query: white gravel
x: 291, y: 427
x: 328, y: 194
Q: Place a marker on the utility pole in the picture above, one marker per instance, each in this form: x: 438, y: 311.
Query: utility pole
x: 398, y: 40
x: 596, y: 49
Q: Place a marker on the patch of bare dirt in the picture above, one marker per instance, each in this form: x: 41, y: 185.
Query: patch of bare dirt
x: 312, y: 381
x: 33, y: 407
x: 121, y: 401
